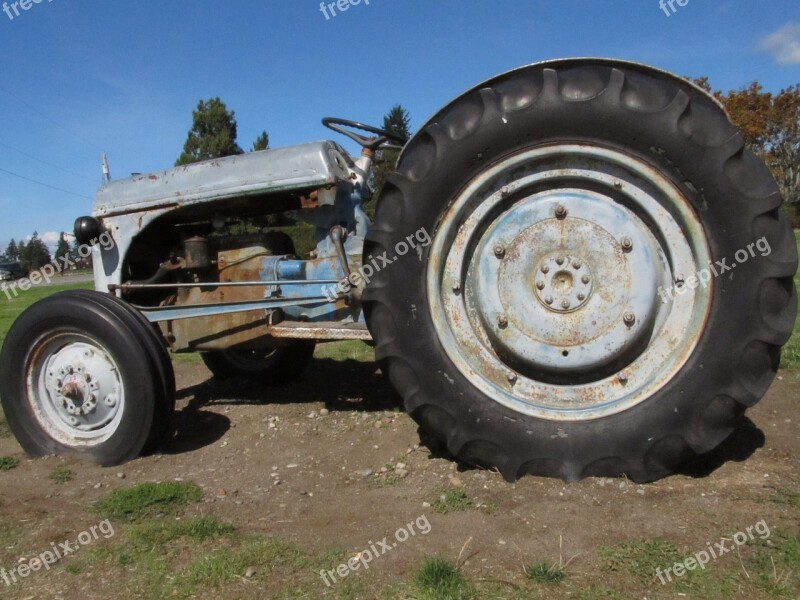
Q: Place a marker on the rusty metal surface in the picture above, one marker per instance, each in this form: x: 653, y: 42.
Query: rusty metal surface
x: 221, y: 330
x: 323, y: 332
x: 552, y: 329
x: 313, y: 165
x: 631, y: 231
x: 240, y: 309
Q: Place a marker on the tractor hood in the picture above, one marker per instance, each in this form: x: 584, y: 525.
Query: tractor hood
x: 303, y: 167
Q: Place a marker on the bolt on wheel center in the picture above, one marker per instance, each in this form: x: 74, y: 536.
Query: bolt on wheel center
x: 563, y: 283
x: 76, y: 394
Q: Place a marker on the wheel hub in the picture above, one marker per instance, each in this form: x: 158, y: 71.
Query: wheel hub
x: 563, y: 283
x: 555, y: 300
x: 548, y: 273
x: 79, y: 390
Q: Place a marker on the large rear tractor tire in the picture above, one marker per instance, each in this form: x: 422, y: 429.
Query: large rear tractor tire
x: 609, y: 278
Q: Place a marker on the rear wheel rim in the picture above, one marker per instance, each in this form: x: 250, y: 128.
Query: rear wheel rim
x: 75, y: 389
x: 560, y: 281
x: 253, y: 361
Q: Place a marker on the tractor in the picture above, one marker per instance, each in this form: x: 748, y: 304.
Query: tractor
x: 576, y: 269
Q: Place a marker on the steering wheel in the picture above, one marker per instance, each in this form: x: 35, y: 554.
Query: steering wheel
x: 371, y: 143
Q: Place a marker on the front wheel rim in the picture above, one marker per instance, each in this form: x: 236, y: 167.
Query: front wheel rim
x: 75, y: 389
x: 558, y: 280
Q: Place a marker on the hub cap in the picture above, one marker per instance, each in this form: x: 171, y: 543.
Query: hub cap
x: 555, y: 273
x: 75, y: 389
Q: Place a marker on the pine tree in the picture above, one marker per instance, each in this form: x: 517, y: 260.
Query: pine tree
x: 261, y: 143
x: 62, y: 248
x: 12, y: 252
x: 213, y: 133
x: 398, y: 122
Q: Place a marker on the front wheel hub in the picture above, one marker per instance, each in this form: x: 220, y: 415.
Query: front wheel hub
x: 75, y: 389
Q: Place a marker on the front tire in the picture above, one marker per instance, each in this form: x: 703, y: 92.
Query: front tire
x: 79, y: 376
x: 553, y: 327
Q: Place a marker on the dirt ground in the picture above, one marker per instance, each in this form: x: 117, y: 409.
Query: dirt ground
x: 302, y: 463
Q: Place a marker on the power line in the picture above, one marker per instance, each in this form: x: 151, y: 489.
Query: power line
x: 47, y: 185
x: 44, y: 116
x: 49, y: 164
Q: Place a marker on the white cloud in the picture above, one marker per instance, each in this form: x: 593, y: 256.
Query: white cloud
x: 784, y: 44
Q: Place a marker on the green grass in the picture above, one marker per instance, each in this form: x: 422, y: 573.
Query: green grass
x: 778, y: 566
x: 599, y: 592
x: 546, y: 573
x: 179, y: 560
x: 457, y: 500
x: 226, y: 564
x: 387, y: 479
x: 11, y: 308
x: 157, y: 534
x: 784, y: 496
x: 348, y: 350
x: 453, y: 500
x: 10, y: 534
x: 62, y: 474
x: 639, y: 558
x: 8, y: 462
x: 437, y: 579
x: 149, y: 500
x: 790, y: 356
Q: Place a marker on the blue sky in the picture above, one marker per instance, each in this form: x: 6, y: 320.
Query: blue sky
x: 79, y: 77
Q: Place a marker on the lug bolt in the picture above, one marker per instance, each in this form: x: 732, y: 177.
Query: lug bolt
x: 540, y: 285
x: 622, y: 378
x: 549, y: 300
x: 629, y: 318
x: 499, y: 251
x: 502, y: 321
x: 561, y: 211
x: 576, y: 265
x: 565, y: 304
x: 72, y: 421
x: 627, y: 243
x: 581, y: 297
x: 110, y: 400
x: 559, y: 261
x: 456, y: 288
x: 512, y: 378
x: 545, y: 269
x: 585, y: 279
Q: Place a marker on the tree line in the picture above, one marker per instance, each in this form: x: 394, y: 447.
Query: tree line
x: 770, y: 126
x: 34, y: 254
